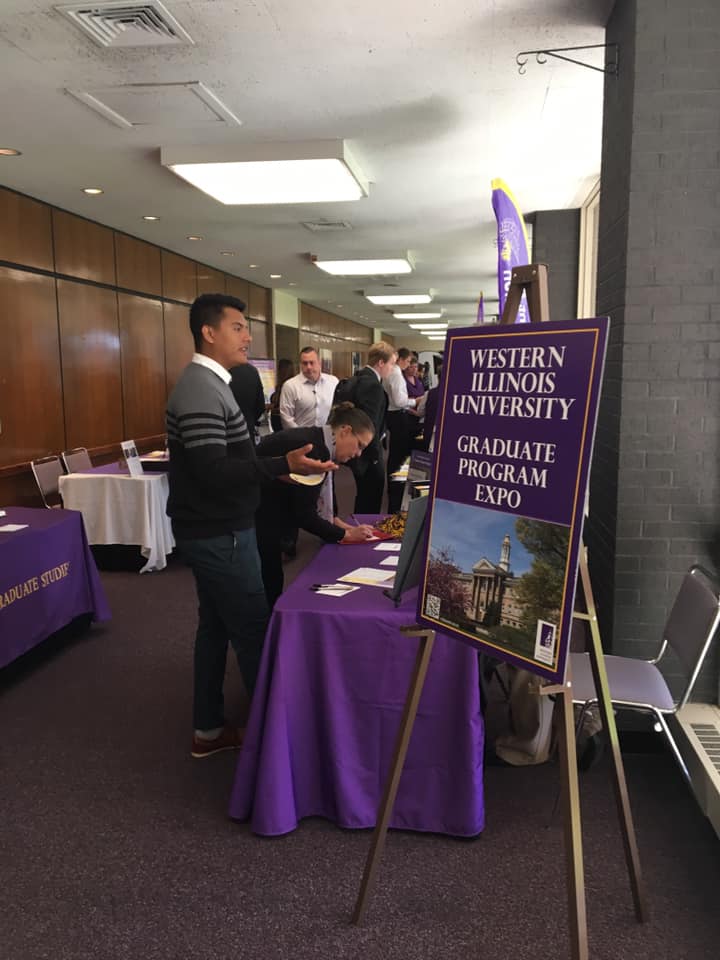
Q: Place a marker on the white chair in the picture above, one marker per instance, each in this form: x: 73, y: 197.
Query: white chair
x: 76, y: 460
x: 638, y: 684
x: 47, y: 471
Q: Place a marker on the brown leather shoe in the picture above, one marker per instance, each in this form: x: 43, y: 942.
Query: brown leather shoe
x: 231, y: 738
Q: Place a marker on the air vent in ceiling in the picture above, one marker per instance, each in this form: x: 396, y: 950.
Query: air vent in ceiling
x: 124, y: 24
x: 326, y: 226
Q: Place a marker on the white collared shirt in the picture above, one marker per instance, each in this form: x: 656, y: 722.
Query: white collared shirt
x: 213, y: 365
x: 325, y: 497
x: 307, y: 404
x: 396, y: 389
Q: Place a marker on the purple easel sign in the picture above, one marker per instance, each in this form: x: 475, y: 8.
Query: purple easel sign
x: 511, y: 465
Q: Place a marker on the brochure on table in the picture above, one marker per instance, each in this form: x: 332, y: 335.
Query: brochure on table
x: 512, y: 455
x: 131, y: 457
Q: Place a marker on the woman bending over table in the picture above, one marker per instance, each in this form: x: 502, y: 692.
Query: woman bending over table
x: 285, y: 502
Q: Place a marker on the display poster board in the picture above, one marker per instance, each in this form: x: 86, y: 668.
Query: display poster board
x: 325, y: 360
x: 268, y: 376
x: 131, y: 458
x: 511, y: 462
x: 419, y: 472
x: 408, y: 569
x: 355, y: 361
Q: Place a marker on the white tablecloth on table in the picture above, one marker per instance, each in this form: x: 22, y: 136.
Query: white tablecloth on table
x: 119, y: 508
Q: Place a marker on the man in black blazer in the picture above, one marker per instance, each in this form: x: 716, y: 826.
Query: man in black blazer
x: 247, y: 389
x: 370, y: 397
x: 344, y: 438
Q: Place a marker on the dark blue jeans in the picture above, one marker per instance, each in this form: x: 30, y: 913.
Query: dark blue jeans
x: 232, y: 607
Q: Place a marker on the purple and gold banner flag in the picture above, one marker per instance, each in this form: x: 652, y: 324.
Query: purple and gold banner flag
x: 512, y: 243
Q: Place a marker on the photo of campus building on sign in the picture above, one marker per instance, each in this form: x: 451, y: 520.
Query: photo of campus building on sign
x: 495, y: 576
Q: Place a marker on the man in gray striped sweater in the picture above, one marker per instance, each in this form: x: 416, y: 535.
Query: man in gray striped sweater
x: 215, y: 479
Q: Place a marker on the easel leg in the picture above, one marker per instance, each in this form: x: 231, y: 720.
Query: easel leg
x: 427, y: 638
x: 602, y: 688
x: 570, y: 794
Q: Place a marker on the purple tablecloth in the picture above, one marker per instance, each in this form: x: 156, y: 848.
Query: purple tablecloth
x: 327, y: 707
x: 47, y: 578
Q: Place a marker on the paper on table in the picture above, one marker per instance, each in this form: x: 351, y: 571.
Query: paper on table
x: 12, y: 527
x: 390, y: 562
x: 370, y: 576
x: 395, y: 547
x: 336, y: 590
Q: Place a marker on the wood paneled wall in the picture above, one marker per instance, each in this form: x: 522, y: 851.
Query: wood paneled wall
x: 323, y: 330
x: 95, y: 335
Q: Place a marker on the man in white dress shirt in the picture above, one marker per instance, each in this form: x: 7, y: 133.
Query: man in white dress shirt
x: 399, y: 425
x: 306, y: 399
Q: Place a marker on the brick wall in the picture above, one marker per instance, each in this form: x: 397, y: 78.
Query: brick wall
x: 655, y: 492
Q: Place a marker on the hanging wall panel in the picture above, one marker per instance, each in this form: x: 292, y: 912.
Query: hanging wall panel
x: 31, y: 407
x: 83, y: 249
x: 143, y: 365
x: 25, y: 231
x: 178, y: 342
x: 90, y: 346
x: 179, y: 277
x: 138, y: 265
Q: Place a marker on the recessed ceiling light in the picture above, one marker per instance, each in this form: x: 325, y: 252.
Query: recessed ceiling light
x: 365, y: 268
x: 227, y: 253
x: 418, y: 316
x: 338, y: 305
x: 252, y: 266
x: 292, y: 284
x: 276, y: 276
x: 388, y: 299
x: 428, y: 326
x: 10, y: 152
x: 150, y: 218
x: 93, y: 191
x: 265, y: 173
x: 193, y: 238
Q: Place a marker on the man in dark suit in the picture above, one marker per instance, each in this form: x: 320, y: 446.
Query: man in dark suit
x: 342, y: 439
x: 247, y: 389
x: 370, y: 397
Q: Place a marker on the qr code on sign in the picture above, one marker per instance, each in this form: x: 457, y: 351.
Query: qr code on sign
x: 432, y: 606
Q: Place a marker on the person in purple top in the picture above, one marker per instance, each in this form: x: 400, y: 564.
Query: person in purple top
x: 413, y: 381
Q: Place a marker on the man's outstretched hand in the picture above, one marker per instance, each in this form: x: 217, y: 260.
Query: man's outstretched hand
x: 300, y: 463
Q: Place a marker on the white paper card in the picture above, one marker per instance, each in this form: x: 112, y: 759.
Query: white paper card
x: 131, y: 456
x: 336, y: 590
x: 394, y: 547
x: 12, y: 527
x: 370, y: 576
x: 390, y: 562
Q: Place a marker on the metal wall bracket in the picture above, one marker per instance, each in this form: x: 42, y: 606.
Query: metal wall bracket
x: 541, y: 57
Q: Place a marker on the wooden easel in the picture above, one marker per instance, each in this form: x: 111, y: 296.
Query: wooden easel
x: 532, y: 280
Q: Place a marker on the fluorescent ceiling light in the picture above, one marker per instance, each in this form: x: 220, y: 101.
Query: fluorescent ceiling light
x: 388, y: 299
x: 428, y: 326
x: 264, y: 173
x: 418, y: 316
x: 435, y: 336
x: 365, y: 268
